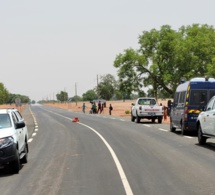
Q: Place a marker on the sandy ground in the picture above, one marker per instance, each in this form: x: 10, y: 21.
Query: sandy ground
x: 120, y: 108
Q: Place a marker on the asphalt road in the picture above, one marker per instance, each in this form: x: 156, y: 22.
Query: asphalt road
x: 106, y: 155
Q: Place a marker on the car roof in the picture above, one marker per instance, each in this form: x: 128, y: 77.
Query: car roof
x: 6, y: 110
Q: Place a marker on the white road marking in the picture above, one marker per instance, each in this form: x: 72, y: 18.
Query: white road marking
x: 188, y: 137
x: 34, y: 134
x: 162, y: 129
x: 147, y: 125
x: 36, y: 130
x: 116, y: 160
x: 123, y: 177
x: 30, y: 140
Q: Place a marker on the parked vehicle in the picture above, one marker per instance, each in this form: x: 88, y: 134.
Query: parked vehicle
x: 190, y: 99
x: 205, y: 124
x: 13, y: 139
x: 146, y: 107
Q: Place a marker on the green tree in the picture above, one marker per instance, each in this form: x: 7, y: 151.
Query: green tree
x: 106, y: 87
x: 62, y: 96
x: 166, y: 55
x: 4, y: 94
x: 89, y: 95
x: 75, y: 98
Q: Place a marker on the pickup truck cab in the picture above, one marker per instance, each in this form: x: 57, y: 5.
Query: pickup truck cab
x: 146, y: 107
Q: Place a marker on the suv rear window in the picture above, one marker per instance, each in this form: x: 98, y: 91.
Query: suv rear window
x: 5, y: 121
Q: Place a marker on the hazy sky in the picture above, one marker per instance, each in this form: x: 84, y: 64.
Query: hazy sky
x: 48, y: 46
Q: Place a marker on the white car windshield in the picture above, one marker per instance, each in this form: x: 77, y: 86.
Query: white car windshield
x: 5, y: 121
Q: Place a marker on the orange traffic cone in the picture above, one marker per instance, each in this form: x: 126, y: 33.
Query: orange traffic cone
x: 75, y: 119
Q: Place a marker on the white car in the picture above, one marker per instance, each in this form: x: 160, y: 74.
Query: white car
x: 13, y: 139
x: 206, y: 122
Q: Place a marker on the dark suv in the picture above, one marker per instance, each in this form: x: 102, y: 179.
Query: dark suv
x: 13, y: 139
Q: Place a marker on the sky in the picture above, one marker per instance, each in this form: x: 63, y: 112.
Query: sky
x: 49, y: 46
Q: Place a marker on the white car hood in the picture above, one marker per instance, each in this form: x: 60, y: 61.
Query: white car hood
x: 6, y: 132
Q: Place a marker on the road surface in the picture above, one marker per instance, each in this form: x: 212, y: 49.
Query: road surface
x: 106, y: 155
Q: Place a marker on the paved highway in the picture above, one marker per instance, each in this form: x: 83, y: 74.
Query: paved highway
x: 106, y: 155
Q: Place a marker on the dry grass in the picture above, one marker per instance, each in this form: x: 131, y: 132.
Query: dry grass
x: 120, y: 108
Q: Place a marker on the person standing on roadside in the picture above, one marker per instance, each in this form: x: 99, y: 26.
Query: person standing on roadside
x: 102, y: 108
x: 110, y: 109
x: 99, y: 107
x: 83, y: 107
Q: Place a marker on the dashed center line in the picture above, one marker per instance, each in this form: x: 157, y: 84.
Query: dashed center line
x: 163, y: 129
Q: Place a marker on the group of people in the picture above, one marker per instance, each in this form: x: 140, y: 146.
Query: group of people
x: 95, y: 110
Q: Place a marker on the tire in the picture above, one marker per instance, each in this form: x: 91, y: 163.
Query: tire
x: 24, y: 160
x: 137, y: 119
x: 132, y: 118
x: 183, y: 132
x: 153, y: 120
x: 159, y: 119
x: 172, y: 129
x: 201, y: 138
x: 15, y: 164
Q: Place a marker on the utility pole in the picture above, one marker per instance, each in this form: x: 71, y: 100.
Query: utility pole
x: 76, y: 94
x: 97, y: 81
x: 97, y: 85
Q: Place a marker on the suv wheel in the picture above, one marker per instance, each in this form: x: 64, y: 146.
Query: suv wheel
x: 201, y: 138
x: 172, y: 129
x: 183, y: 132
x: 15, y: 165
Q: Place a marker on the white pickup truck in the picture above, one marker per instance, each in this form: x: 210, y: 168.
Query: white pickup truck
x: 148, y: 108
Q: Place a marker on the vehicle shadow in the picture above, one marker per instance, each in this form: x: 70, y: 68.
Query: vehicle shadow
x: 6, y: 171
x: 190, y: 134
x: 208, y: 145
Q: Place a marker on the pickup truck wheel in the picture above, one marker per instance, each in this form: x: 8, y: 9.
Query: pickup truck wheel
x: 137, y: 119
x: 153, y: 120
x: 132, y: 118
x: 15, y: 164
x: 159, y: 119
x: 201, y: 138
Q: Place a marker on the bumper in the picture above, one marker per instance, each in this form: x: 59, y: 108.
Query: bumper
x: 190, y: 126
x: 149, y: 115
x: 7, y: 154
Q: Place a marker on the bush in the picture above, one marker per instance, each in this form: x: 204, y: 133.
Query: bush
x: 127, y: 112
